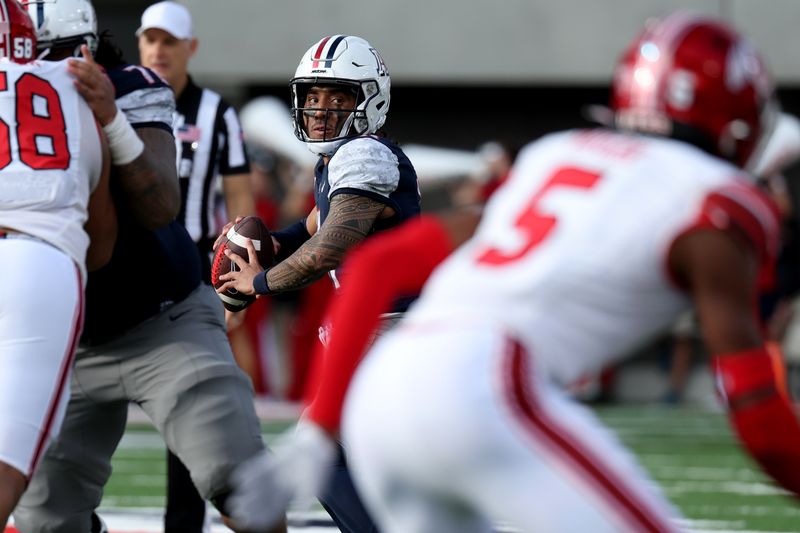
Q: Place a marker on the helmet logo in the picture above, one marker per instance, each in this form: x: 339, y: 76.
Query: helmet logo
x: 742, y: 67
x: 681, y: 90
x: 382, y: 70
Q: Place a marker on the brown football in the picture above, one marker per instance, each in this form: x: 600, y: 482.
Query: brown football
x: 252, y: 228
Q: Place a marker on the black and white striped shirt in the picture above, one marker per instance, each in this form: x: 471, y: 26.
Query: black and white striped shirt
x: 208, y: 138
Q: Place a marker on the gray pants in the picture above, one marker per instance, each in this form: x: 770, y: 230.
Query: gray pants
x: 179, y: 368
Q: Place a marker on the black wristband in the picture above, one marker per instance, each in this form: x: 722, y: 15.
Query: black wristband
x: 260, y: 283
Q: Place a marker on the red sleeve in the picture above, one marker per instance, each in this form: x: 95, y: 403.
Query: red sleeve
x: 393, y: 263
x: 750, y: 215
x: 762, y: 416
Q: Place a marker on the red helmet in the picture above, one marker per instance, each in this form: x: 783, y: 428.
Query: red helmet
x: 698, y: 80
x: 17, y: 36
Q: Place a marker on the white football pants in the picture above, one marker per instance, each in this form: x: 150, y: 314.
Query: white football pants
x: 41, y: 317
x: 451, y: 430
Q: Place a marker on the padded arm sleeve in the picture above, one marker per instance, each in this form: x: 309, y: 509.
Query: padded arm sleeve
x: 291, y: 238
x: 763, y: 418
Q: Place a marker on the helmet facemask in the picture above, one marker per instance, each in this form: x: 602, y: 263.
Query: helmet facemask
x: 64, y: 24
x: 351, y: 63
x: 356, y: 121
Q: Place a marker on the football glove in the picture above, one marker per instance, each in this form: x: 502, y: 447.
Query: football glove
x: 296, y: 471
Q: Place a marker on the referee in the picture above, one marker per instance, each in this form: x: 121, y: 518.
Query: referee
x: 210, y: 149
x: 208, y: 136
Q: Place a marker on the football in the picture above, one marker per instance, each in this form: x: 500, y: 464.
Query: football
x: 252, y: 228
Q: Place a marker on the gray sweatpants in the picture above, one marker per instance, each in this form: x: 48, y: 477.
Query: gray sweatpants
x: 179, y: 368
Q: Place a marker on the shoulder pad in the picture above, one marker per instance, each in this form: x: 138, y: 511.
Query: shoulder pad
x: 747, y: 211
x: 129, y: 78
x: 364, y: 164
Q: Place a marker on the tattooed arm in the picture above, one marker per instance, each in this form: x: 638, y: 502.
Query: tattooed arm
x: 349, y: 221
x: 149, y: 183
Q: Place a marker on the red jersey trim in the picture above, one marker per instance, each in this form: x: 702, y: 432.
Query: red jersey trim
x: 747, y: 213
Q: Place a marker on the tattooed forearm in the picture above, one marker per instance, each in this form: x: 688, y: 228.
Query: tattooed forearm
x: 349, y: 221
x: 149, y: 183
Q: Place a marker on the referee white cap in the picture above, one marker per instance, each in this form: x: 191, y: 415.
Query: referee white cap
x: 171, y: 17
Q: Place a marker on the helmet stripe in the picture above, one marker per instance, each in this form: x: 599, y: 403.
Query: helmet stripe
x: 318, y: 53
x: 39, y: 14
x: 317, y: 57
x: 331, y: 51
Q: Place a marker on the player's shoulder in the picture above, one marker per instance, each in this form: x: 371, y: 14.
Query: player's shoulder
x: 130, y: 78
x: 38, y: 67
x: 364, y: 160
x: 363, y: 149
x: 143, y: 96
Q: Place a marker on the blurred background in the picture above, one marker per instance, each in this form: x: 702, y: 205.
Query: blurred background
x: 462, y: 72
x: 471, y: 83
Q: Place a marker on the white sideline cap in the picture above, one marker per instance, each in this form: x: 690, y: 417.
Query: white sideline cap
x: 171, y: 17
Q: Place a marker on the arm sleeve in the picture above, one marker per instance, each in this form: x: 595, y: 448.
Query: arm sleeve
x: 749, y: 215
x: 426, y: 241
x: 149, y: 108
x: 144, y: 97
x: 762, y: 417
x: 747, y: 212
x: 364, y: 166
x: 291, y: 238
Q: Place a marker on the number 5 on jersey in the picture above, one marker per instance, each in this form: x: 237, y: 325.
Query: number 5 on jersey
x: 39, y: 126
x: 535, y: 225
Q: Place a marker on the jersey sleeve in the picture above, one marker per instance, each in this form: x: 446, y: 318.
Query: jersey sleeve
x: 143, y: 96
x: 748, y: 214
x: 365, y: 167
x: 233, y: 156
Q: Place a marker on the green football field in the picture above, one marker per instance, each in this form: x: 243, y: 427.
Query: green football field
x: 690, y: 452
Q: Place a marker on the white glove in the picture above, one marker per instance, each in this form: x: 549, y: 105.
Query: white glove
x: 296, y: 471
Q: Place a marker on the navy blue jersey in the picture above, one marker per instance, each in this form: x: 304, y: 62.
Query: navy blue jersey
x: 374, y: 167
x: 149, y: 270
x: 369, y: 166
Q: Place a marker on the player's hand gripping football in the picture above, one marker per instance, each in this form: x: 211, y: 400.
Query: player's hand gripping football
x: 241, y: 280
x: 297, y: 470
x: 275, y: 244
x: 225, y: 229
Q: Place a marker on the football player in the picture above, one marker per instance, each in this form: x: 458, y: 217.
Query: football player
x: 154, y: 337
x: 57, y: 221
x: 596, y: 243
x: 364, y: 184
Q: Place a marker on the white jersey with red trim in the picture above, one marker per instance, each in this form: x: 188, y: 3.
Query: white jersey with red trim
x: 50, y: 155
x: 571, y: 254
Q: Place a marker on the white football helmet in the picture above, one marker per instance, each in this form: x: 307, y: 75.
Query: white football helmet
x: 63, y: 23
x: 344, y: 61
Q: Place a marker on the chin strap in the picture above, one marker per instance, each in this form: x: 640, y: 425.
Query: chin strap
x: 761, y: 412
x: 325, y: 148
